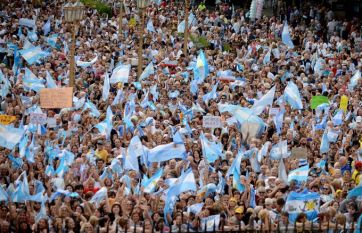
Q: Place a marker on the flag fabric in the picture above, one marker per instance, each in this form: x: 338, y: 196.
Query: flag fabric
x: 210, y: 150
x: 134, y: 150
x: 33, y: 54
x: 211, y: 223
x: 3, y: 194
x: 166, y: 152
x: 303, y: 202
x: 202, y: 65
x: 10, y: 136
x: 195, y: 208
x: 93, y: 108
x: 105, y: 126
x: 31, y: 82
x: 211, y: 95
x: 85, y: 64
x: 266, y: 58
x: 354, y: 80
x: 27, y: 22
x: 338, y: 118
x: 263, y: 102
x: 150, y: 184
x: 286, y: 36
x: 356, y: 192
x: 299, y: 174
x: 280, y: 150
x: 147, y: 71
x: 106, y: 87
x: 99, y: 196
x: 282, y: 174
x: 46, y: 27
x: 52, y: 40
x: 292, y: 96
x: 181, y: 27
x: 120, y: 74
x: 150, y: 26
x: 50, y: 81
x: 324, y: 147
x: 32, y: 35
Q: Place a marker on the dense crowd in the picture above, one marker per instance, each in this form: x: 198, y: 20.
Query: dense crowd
x: 136, y: 153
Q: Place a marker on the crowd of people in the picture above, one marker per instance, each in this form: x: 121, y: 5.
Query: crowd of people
x: 249, y: 129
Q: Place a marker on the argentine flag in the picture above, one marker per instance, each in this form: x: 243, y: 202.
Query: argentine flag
x: 10, y: 136
x: 299, y: 174
x: 120, y: 74
x: 150, y: 184
x: 286, y: 36
x: 292, y: 96
x: 304, y: 202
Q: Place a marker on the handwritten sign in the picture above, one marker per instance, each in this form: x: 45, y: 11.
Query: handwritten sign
x: 211, y: 122
x: 6, y: 119
x: 299, y: 153
x: 344, y: 103
x: 38, y: 118
x: 56, y: 97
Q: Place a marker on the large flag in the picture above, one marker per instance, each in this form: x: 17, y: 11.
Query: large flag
x: 263, y: 102
x: 324, y: 147
x: 120, y: 74
x: 166, y: 152
x: 299, y: 174
x: 202, y: 65
x: 304, y: 202
x: 33, y: 54
x: 286, y: 36
x: 10, y: 136
x: 292, y: 96
x: 211, y: 150
x: 148, y: 71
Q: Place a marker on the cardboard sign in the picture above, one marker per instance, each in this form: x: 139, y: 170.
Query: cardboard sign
x: 299, y: 153
x: 344, y: 103
x: 211, y: 122
x: 318, y: 100
x: 38, y: 118
x: 56, y: 97
x: 6, y: 119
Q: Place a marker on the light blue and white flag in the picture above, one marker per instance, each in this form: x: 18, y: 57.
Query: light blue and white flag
x: 106, y: 87
x: 195, y: 208
x: 286, y: 36
x: 324, y: 147
x: 50, y: 81
x: 211, y: 95
x: 99, y: 196
x: 52, y: 40
x: 94, y: 110
x: 266, y: 58
x: 292, y: 96
x: 280, y: 150
x: 46, y: 28
x: 150, y: 26
x: 120, y: 74
x: 338, y: 118
x: 304, y: 202
x: 32, y: 35
x: 86, y: 64
x: 31, y: 82
x: 282, y: 173
x: 166, y: 152
x: 202, y: 65
x: 151, y: 183
x: 33, y: 54
x: 27, y: 22
x: 211, y: 150
x: 147, y: 71
x: 10, y: 136
x: 212, y: 223
x: 263, y: 102
x: 299, y: 174
x: 3, y: 194
x: 354, y: 80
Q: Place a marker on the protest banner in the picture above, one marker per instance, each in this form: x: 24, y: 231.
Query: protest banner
x: 6, y: 119
x: 211, y: 122
x: 343, y: 103
x: 56, y: 97
x: 38, y: 118
x: 299, y: 153
x: 318, y: 100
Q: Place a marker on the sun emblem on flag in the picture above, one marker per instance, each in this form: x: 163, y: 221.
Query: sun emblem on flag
x: 310, y: 205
